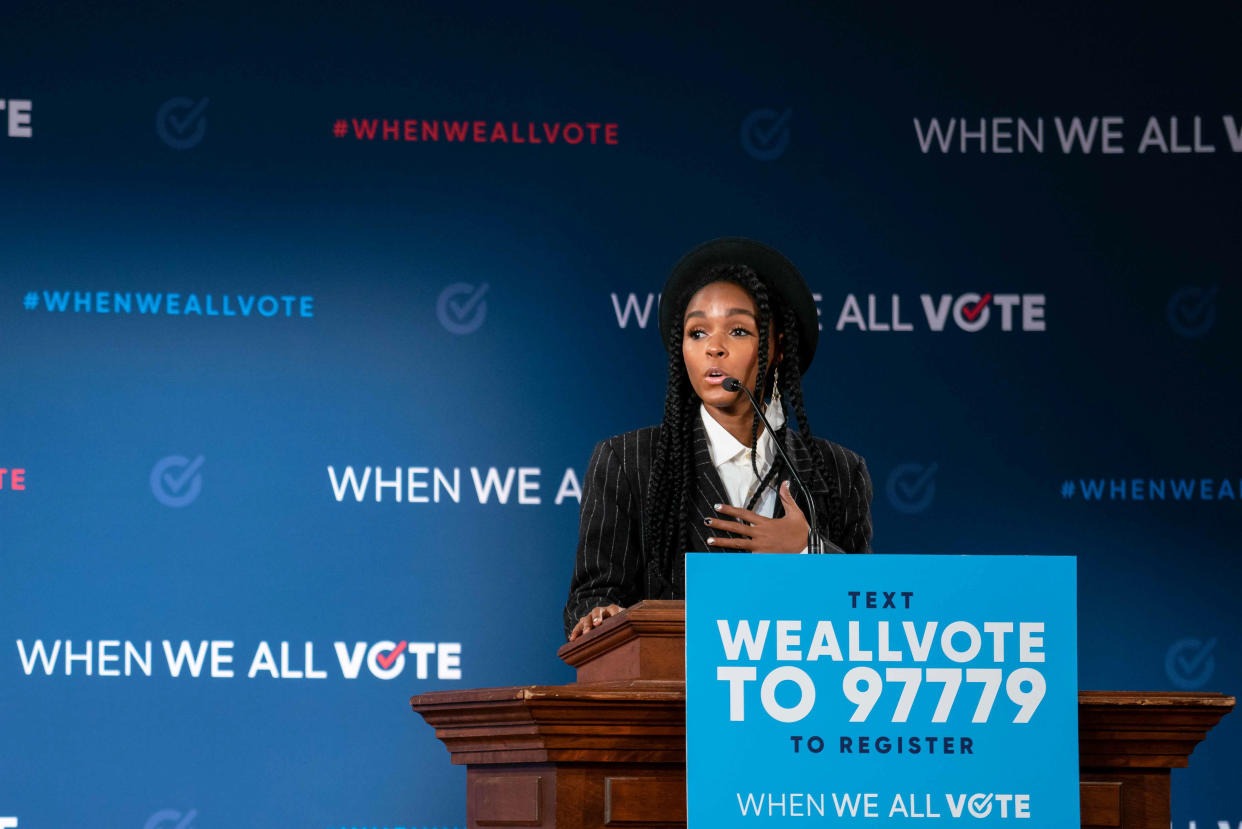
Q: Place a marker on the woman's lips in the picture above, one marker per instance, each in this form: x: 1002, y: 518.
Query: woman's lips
x: 715, y: 377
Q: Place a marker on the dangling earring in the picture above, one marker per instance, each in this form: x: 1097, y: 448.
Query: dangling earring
x: 776, y: 384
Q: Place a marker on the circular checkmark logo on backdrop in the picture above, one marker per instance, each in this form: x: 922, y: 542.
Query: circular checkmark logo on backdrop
x: 1189, y: 663
x: 765, y: 134
x: 176, y: 481
x: 181, y: 122
x: 461, y: 308
x: 911, y: 487
x: 1192, y: 310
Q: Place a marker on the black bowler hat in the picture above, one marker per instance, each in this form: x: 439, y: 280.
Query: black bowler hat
x: 772, y: 267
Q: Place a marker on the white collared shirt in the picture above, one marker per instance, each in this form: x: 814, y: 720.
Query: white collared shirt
x: 732, y: 460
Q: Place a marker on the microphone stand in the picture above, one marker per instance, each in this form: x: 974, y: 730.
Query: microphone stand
x: 813, y: 541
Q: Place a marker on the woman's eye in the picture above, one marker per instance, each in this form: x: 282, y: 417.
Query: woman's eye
x: 741, y: 332
x: 694, y: 334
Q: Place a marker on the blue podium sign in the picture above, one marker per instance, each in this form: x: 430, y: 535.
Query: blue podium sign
x: 881, y: 690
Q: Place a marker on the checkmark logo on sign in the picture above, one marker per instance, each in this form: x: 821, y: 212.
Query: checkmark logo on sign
x: 176, y: 480
x: 1189, y: 663
x: 461, y: 308
x: 911, y: 487
x: 181, y: 122
x: 980, y: 805
x: 1192, y: 310
x: 765, y: 134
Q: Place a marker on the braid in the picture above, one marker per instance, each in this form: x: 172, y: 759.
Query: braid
x: 790, y: 380
x: 759, y: 292
x: 672, y: 466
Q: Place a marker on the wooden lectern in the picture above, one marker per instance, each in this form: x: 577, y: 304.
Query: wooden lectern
x: 610, y: 749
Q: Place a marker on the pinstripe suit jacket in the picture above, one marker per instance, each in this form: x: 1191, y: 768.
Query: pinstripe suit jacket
x: 611, y: 565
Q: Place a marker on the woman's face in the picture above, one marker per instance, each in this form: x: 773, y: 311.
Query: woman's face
x: 720, y: 338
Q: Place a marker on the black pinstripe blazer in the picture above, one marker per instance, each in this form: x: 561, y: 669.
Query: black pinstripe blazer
x: 611, y: 565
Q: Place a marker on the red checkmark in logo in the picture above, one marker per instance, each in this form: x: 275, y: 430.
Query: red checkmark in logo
x: 386, y: 661
x: 972, y: 313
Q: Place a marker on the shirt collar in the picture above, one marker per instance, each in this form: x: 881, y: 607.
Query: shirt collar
x: 724, y: 448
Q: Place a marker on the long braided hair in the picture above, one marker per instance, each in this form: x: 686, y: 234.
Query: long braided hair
x: 665, y: 533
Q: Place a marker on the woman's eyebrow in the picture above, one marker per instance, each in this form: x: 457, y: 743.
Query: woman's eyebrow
x: 732, y: 312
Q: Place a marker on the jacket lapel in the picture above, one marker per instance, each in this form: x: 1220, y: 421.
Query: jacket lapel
x: 800, y: 454
x: 708, y: 490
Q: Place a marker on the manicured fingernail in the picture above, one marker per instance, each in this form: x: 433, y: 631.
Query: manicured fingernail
x: 715, y: 506
x: 711, y: 541
x: 707, y: 521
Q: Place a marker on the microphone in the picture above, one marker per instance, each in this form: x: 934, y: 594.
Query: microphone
x: 812, y: 541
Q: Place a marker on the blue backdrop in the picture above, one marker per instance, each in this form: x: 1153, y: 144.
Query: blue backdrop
x: 388, y: 287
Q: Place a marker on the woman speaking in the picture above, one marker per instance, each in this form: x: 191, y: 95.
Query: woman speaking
x: 711, y: 477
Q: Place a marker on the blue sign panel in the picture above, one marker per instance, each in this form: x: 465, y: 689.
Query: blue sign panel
x: 880, y: 690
